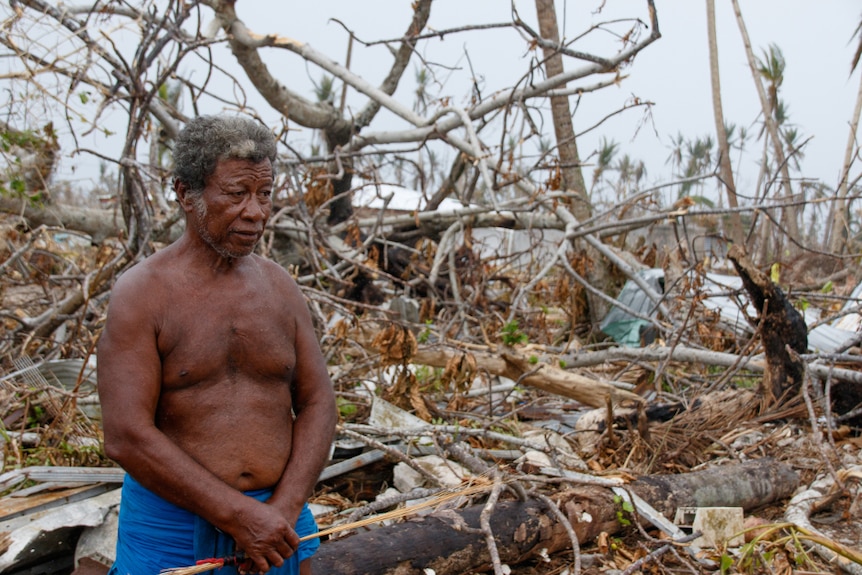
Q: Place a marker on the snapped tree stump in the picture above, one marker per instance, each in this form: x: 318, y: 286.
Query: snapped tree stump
x: 451, y: 542
x: 780, y: 326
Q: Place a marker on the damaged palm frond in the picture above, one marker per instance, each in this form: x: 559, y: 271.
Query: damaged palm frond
x: 791, y: 534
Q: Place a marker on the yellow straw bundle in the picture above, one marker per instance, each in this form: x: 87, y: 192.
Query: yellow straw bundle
x: 199, y: 568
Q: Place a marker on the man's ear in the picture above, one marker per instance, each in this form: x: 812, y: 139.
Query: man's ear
x: 181, y: 189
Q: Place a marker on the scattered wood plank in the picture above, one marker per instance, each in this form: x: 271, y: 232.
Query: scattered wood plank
x: 15, y: 506
x: 41, y: 536
x: 62, y: 474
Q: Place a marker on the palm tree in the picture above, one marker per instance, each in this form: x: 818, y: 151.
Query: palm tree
x: 631, y: 172
x: 573, y: 177
x: 770, y: 71
x: 420, y: 105
x: 604, y: 157
x: 792, y: 141
x: 325, y: 90
x: 725, y: 167
x: 839, y: 232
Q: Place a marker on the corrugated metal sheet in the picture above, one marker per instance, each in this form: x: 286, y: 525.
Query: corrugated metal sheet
x: 826, y: 338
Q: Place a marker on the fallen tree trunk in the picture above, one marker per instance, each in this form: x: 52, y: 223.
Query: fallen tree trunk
x: 397, y: 345
x: 451, y: 542
x: 685, y: 354
x: 592, y: 392
x: 97, y: 223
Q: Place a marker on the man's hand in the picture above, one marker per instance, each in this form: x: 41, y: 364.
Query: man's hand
x: 264, y: 536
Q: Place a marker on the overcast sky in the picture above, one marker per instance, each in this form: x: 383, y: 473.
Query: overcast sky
x: 815, y: 37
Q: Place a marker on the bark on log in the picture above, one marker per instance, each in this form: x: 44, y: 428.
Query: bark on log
x: 747, y: 485
x: 450, y: 542
x: 781, y: 326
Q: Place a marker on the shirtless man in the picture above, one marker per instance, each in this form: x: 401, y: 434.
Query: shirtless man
x: 215, y: 395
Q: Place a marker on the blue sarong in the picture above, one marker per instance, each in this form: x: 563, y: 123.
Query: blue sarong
x: 154, y: 535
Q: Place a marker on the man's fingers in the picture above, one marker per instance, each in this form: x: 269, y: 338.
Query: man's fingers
x: 293, y: 541
x: 274, y: 557
x: 286, y: 549
x: 257, y: 566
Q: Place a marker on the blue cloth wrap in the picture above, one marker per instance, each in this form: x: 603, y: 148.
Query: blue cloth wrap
x: 155, y: 534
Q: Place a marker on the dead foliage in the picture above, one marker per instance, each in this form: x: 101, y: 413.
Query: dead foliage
x: 666, y: 416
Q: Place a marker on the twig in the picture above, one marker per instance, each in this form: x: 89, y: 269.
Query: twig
x: 655, y: 555
x: 564, y: 521
x: 485, y: 523
x: 812, y: 416
x: 391, y: 451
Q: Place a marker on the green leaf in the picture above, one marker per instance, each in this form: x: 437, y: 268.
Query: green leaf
x: 827, y: 287
x: 622, y: 520
x: 726, y: 563
x: 512, y: 335
x: 345, y: 407
x: 775, y: 273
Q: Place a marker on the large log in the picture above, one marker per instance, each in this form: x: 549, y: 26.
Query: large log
x: 97, y: 223
x: 451, y: 542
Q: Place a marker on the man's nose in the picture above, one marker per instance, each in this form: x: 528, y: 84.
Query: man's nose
x: 255, y: 209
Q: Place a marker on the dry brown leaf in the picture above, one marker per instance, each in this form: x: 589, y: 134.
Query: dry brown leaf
x: 460, y: 371
x: 396, y: 344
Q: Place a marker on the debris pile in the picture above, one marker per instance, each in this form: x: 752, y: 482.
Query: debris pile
x: 469, y: 441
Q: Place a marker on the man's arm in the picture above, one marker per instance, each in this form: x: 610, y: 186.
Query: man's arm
x: 129, y: 377
x: 316, y: 415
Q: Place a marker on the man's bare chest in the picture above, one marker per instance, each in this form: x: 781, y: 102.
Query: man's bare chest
x: 227, y: 339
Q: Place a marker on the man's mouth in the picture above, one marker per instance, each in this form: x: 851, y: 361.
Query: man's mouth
x: 248, y: 235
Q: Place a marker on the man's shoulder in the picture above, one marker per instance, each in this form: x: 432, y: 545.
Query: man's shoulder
x: 272, y: 269
x: 146, y: 273
x: 277, y: 278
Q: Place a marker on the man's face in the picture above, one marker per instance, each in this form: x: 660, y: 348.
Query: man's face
x: 233, y: 209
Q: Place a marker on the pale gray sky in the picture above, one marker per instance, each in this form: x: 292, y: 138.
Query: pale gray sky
x: 815, y: 37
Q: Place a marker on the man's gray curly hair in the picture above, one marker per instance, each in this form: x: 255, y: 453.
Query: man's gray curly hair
x: 207, y: 140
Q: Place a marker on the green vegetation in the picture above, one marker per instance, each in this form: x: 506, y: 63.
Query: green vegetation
x: 625, y: 507
x: 512, y: 334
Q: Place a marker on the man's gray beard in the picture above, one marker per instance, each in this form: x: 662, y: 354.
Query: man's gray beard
x: 200, y: 207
